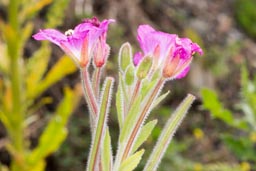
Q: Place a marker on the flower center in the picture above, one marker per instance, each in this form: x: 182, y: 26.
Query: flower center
x: 69, y: 32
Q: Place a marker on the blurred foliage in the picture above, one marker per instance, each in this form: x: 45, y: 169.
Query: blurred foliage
x: 246, y: 16
x: 242, y: 144
x: 175, y: 160
x: 23, y: 81
x: 219, y: 56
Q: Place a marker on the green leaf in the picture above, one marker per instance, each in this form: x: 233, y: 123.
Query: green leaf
x: 248, y: 97
x: 62, y: 68
x: 31, y: 9
x: 120, y: 105
x: 125, y: 56
x: 159, y: 99
x: 144, y: 134
x: 106, y: 156
x: 167, y: 133
x: 50, y: 141
x: 147, y: 86
x: 242, y: 147
x: 4, y: 118
x: 130, y: 120
x: 124, y: 88
x: 131, y: 162
x: 55, y: 132
x: 211, y: 103
x: 4, y: 64
x: 100, y: 124
x: 26, y: 33
x: 56, y: 13
x: 35, y: 69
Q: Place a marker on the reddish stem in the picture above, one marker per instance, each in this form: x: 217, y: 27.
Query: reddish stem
x: 90, y: 98
x: 141, y: 119
x: 134, y: 95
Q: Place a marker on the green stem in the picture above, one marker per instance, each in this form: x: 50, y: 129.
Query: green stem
x: 17, y: 117
x: 13, y: 14
x: 16, y: 134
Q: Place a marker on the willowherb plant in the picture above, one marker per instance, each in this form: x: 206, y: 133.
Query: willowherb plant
x: 164, y: 57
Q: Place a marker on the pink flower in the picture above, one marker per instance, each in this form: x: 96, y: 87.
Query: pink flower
x: 169, y: 52
x: 81, y: 43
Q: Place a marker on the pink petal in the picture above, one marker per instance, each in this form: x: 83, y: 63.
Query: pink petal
x: 50, y: 34
x: 137, y: 58
x: 183, y: 73
x: 149, y: 39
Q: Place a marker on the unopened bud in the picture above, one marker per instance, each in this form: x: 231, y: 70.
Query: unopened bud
x: 129, y: 75
x: 144, y: 67
x: 125, y: 56
x: 101, y: 54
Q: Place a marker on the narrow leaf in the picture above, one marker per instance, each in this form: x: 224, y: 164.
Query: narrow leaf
x: 5, y: 120
x: 56, y: 14
x: 120, y: 105
x: 212, y: 103
x: 106, y: 156
x: 125, y: 132
x: 35, y: 69
x: 56, y: 73
x: 147, y: 86
x: 32, y: 8
x: 130, y: 120
x: 4, y: 64
x: 144, y: 134
x: 167, y: 133
x: 131, y: 162
x: 97, y: 141
x: 159, y: 99
x: 124, y: 88
x: 55, y: 132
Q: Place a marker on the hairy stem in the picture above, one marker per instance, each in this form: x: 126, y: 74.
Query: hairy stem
x: 141, y: 119
x: 134, y: 95
x: 89, y: 96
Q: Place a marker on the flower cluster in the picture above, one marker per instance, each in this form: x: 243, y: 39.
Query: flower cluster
x: 141, y: 78
x: 169, y: 52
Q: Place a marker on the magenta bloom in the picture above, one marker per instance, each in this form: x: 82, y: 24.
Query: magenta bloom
x: 82, y: 42
x: 169, y: 52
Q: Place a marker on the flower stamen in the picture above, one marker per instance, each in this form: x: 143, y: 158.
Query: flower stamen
x: 69, y: 32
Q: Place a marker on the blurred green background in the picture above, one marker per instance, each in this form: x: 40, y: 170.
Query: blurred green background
x: 219, y: 133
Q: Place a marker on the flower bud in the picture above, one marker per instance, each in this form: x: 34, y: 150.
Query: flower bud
x: 144, y: 67
x: 101, y: 54
x: 125, y: 56
x: 129, y: 75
